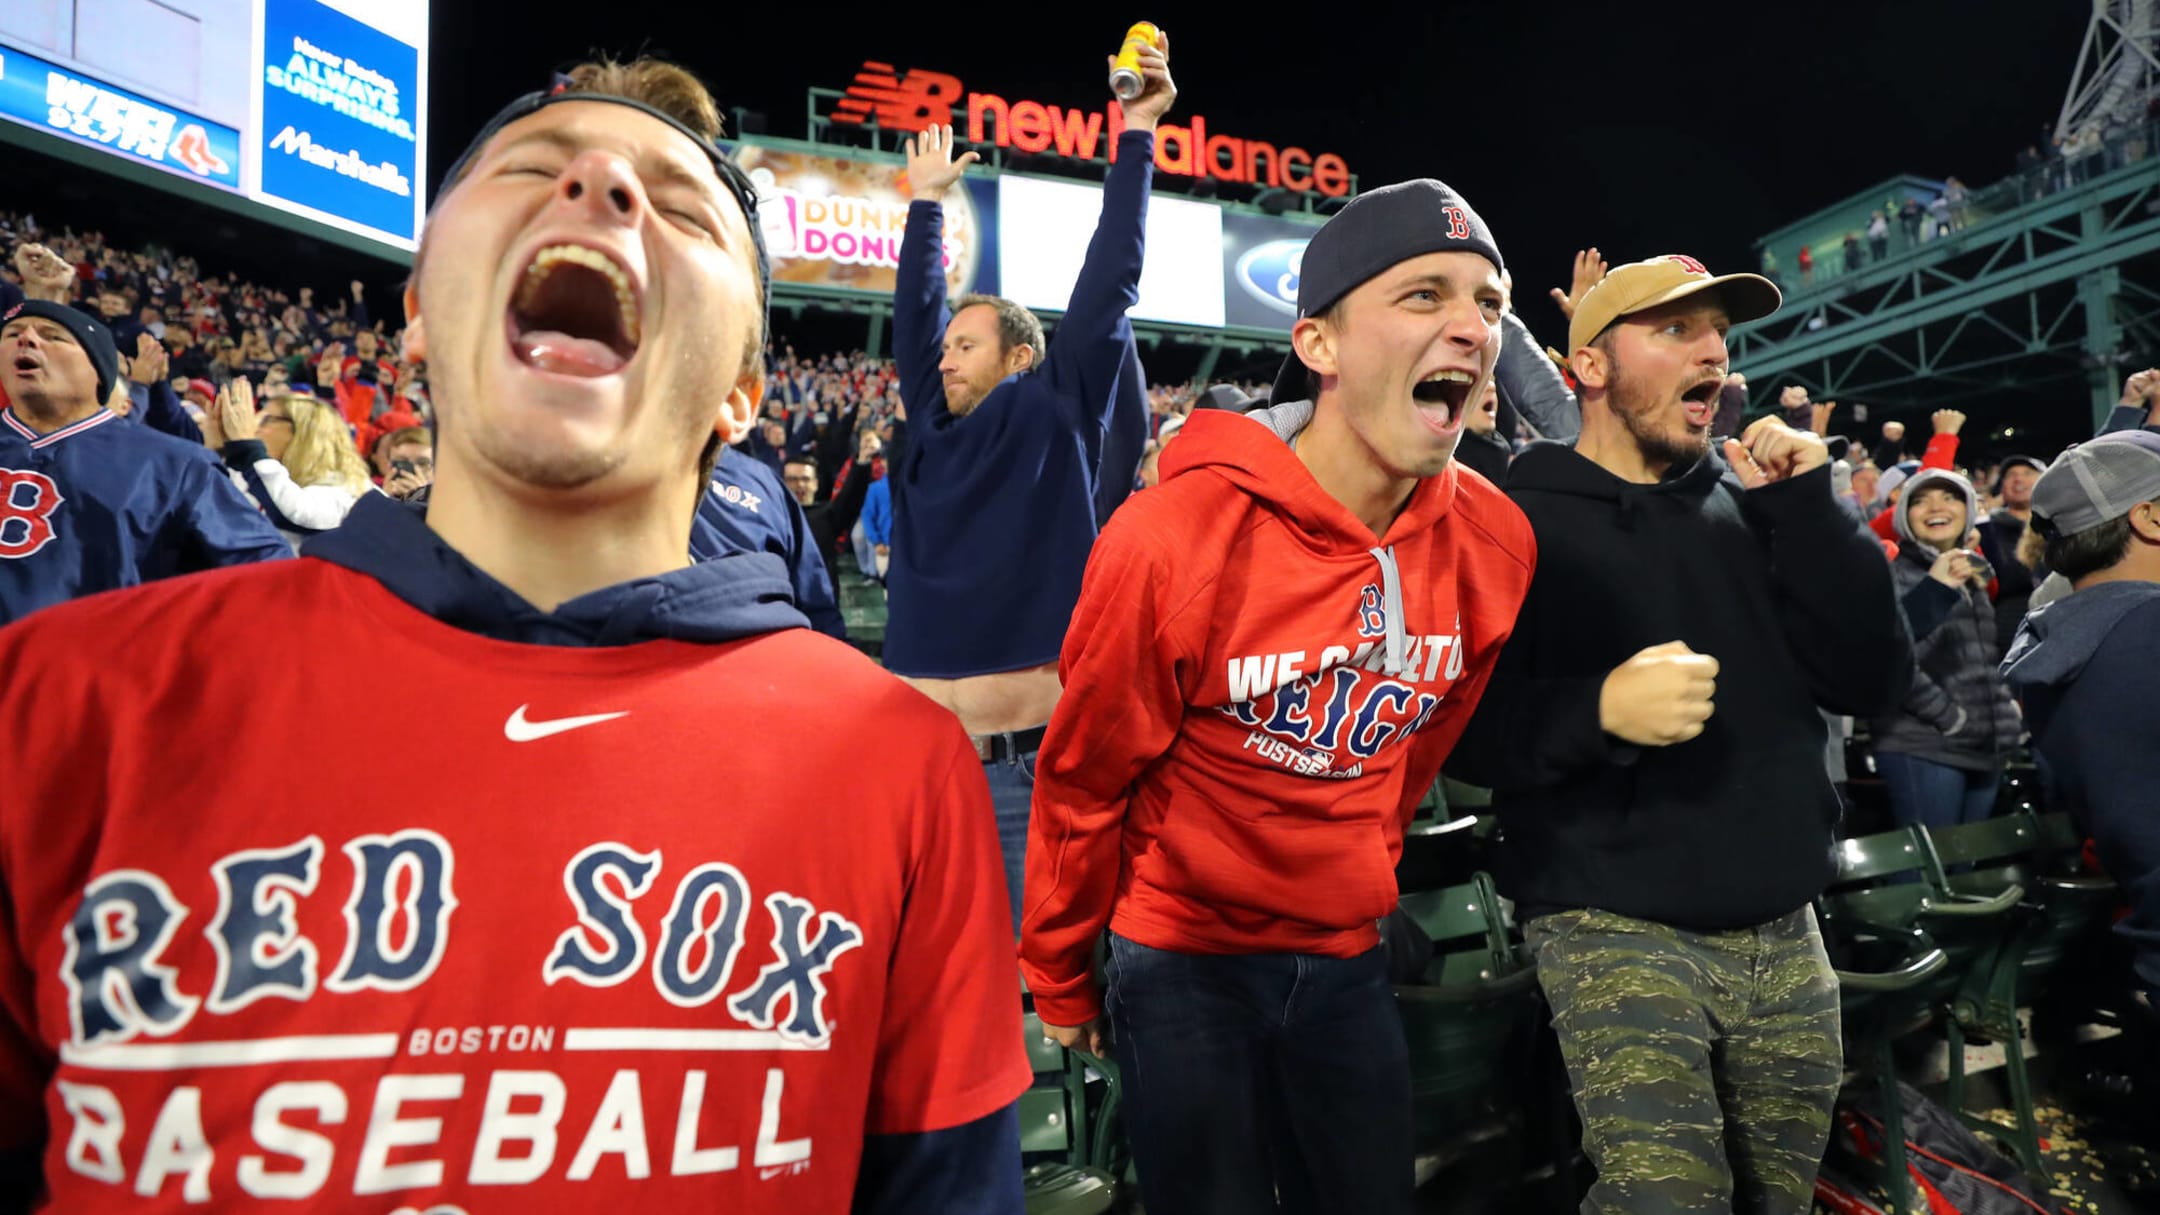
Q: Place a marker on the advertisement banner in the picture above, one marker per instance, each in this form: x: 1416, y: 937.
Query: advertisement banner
x: 340, y: 128
x: 1043, y: 233
x: 831, y: 221
x: 44, y: 95
x: 1260, y: 261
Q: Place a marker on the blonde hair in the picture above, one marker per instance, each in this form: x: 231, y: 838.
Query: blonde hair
x: 322, y: 451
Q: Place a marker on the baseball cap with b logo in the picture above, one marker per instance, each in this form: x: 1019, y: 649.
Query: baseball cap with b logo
x: 1638, y: 286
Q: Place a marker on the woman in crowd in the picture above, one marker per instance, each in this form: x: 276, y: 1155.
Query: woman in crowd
x: 1941, y: 754
x: 295, y: 458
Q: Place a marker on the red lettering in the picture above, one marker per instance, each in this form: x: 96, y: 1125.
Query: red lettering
x: 1239, y: 168
x: 1030, y: 127
x: 1331, y: 175
x: 1458, y: 224
x: 1274, y: 169
x: 1179, y: 161
x: 1293, y: 160
x: 993, y: 106
x: 1117, y: 127
x: 1075, y: 132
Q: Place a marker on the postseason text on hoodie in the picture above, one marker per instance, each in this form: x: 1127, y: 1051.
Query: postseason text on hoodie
x: 1783, y: 588
x: 1257, y: 695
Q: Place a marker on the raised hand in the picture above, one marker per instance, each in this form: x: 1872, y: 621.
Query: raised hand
x: 1948, y: 421
x: 2139, y: 387
x: 149, y: 364
x: 1661, y: 696
x: 1819, y: 417
x: 1769, y: 451
x: 1589, y: 271
x: 45, y: 274
x: 931, y: 169
x: 1157, y: 91
x: 235, y: 409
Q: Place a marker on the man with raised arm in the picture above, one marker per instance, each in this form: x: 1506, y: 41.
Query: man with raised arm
x: 995, y: 488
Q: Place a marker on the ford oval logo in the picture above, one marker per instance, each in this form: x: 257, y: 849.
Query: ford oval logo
x: 1269, y: 273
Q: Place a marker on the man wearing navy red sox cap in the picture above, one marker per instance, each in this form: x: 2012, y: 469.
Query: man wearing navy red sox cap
x: 88, y: 502
x: 1272, y: 652
x: 1652, y: 739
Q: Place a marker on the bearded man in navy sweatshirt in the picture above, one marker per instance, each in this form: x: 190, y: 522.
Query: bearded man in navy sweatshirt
x: 1014, y: 450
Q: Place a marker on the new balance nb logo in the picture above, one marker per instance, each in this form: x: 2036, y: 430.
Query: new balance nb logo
x: 899, y: 102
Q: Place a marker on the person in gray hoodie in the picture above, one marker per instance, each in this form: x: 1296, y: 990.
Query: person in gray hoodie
x: 1941, y: 751
x: 2087, y: 668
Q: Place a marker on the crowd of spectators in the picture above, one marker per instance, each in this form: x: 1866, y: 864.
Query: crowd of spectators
x: 307, y: 400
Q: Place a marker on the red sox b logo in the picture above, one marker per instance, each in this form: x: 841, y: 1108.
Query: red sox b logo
x: 27, y: 501
x: 1458, y: 223
x: 1371, y: 616
x: 1693, y: 266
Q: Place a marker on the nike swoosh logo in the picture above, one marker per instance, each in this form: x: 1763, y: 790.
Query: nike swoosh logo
x: 517, y: 729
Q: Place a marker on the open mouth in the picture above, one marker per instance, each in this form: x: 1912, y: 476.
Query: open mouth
x: 1701, y: 402
x: 1935, y: 521
x: 575, y: 312
x: 26, y: 364
x: 1441, y: 397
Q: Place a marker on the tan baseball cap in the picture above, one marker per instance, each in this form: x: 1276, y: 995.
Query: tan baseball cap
x: 1629, y: 289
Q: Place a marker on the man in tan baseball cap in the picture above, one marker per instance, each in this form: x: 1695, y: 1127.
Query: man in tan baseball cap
x: 1655, y: 752
x: 1663, y: 407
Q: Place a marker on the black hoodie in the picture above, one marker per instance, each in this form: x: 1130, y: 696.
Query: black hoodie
x: 1779, y: 585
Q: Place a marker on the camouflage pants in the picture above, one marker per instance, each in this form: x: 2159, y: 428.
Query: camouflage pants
x: 1705, y: 1064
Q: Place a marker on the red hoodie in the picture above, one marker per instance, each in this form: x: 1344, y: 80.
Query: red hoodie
x: 1231, y: 764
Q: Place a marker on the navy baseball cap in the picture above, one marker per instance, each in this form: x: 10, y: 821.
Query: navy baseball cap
x: 1379, y: 229
x: 92, y: 335
x: 563, y: 89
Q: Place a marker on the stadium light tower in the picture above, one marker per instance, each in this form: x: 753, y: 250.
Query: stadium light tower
x: 2117, y: 69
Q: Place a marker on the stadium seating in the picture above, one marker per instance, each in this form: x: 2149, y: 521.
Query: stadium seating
x: 1054, y: 1120
x: 1902, y: 949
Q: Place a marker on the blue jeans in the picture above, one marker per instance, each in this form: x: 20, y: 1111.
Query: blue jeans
x: 1935, y: 795
x: 1254, y: 1080
x: 1012, y: 797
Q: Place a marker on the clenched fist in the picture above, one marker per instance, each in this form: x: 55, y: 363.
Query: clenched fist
x: 1660, y: 696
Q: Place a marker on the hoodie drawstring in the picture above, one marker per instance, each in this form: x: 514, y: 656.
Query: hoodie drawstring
x: 1391, y: 605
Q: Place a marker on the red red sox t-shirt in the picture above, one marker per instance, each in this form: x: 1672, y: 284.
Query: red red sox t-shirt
x: 663, y: 926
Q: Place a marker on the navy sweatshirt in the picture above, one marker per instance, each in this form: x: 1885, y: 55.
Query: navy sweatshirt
x: 1783, y: 588
x: 748, y: 510
x: 994, y: 513
x: 2087, y: 669
x: 964, y: 1170
x: 104, y: 504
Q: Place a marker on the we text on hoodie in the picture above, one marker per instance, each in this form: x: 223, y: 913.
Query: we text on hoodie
x: 1237, y: 626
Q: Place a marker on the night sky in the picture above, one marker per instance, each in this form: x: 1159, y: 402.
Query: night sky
x: 1644, y: 129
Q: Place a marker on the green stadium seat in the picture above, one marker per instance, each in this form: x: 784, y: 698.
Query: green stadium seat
x: 1054, y: 1120
x: 1981, y: 860
x: 1902, y: 947
x: 1468, y: 1026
